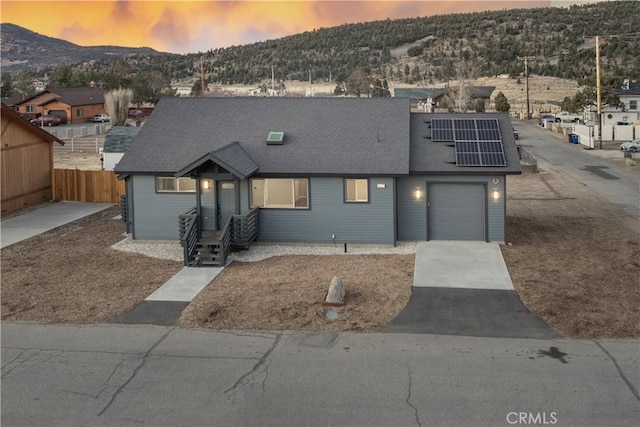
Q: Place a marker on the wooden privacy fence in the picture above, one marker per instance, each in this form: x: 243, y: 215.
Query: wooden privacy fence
x: 87, y: 186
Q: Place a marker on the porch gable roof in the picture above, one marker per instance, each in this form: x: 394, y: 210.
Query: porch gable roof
x: 231, y: 157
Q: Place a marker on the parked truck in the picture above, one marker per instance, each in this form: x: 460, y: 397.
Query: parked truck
x: 566, y: 117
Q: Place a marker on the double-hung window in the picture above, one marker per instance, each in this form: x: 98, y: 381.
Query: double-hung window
x: 291, y: 193
x: 356, y: 190
x: 633, y: 105
x: 166, y: 184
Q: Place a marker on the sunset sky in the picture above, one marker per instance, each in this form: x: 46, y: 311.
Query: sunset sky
x: 195, y: 26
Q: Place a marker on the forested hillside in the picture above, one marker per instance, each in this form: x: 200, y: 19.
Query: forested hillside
x: 558, y: 42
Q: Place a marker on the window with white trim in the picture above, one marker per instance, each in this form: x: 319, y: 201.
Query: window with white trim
x: 167, y: 184
x: 30, y: 108
x: 287, y: 193
x: 356, y: 190
x: 633, y: 105
x: 80, y: 112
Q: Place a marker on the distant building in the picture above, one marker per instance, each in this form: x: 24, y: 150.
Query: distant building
x: 41, y: 84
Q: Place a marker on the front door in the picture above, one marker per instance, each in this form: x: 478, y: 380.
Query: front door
x: 226, y: 200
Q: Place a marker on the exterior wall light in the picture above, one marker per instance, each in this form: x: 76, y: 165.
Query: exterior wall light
x: 496, y: 195
x: 418, y: 194
x: 206, y: 184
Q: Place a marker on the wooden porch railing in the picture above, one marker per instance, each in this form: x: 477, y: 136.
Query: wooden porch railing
x: 123, y: 208
x: 189, y: 224
x: 245, y: 228
x: 238, y: 231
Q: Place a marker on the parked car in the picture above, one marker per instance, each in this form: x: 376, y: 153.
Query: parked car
x: 633, y: 146
x: 547, y: 118
x: 515, y: 133
x: 46, y: 120
x: 100, y: 118
x: 136, y: 113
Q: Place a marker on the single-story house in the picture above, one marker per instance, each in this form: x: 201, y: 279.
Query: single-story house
x: 221, y: 172
x: 116, y: 142
x: 72, y: 105
x: 27, y: 162
x: 422, y: 99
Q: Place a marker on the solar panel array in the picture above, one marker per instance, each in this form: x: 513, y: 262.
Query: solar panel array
x: 477, y: 141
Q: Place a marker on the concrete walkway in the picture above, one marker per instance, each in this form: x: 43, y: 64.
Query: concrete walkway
x: 46, y: 218
x: 164, y: 307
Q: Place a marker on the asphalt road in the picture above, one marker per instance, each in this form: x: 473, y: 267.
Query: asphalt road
x: 615, y: 181
x: 54, y: 375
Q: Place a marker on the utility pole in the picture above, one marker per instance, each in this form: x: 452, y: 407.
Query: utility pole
x: 598, y: 92
x: 526, y: 82
x: 273, y: 83
x: 201, y: 77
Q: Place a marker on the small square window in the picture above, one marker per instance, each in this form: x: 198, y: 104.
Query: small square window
x: 356, y: 190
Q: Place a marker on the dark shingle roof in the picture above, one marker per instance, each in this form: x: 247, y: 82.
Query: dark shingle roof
x: 432, y: 157
x: 78, y: 95
x: 118, y: 138
x: 357, y: 136
x: 419, y: 93
x: 231, y: 157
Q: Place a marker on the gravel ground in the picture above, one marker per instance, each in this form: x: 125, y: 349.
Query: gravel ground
x: 258, y: 252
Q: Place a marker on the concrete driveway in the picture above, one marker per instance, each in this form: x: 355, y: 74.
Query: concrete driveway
x: 464, y: 288
x: 44, y: 219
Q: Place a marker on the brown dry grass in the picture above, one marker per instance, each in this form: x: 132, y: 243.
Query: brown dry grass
x: 287, y: 292
x: 574, y: 258
x: 71, y: 274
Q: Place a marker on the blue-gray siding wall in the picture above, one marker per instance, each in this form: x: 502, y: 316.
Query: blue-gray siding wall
x: 371, y: 222
x: 156, y: 214
x: 412, y: 214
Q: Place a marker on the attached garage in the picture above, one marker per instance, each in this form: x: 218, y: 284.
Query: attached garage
x: 456, y: 211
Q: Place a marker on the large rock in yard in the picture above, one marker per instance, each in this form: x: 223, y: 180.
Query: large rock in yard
x: 335, y: 296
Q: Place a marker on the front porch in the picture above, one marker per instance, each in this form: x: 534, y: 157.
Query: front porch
x: 212, y: 248
x: 209, y: 233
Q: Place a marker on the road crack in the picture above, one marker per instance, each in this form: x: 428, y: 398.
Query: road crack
x: 408, y: 399
x: 134, y: 373
x: 622, y: 375
x: 261, y: 362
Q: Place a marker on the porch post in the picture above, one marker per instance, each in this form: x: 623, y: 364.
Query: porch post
x: 237, y: 186
x: 199, y: 204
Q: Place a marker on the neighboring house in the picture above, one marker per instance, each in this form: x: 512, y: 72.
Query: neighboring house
x: 630, y: 98
x: 425, y: 100
x: 40, y: 84
x: 116, y: 142
x: 73, y: 105
x: 314, y: 170
x: 27, y: 162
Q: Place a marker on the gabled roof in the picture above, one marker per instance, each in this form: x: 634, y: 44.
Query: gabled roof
x: 419, y: 93
x: 324, y: 136
x: 231, y: 157
x: 633, y: 90
x: 118, y: 138
x: 17, y: 119
x: 432, y: 157
x: 74, y: 96
x: 482, y: 91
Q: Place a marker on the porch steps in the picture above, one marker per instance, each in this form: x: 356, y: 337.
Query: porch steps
x: 207, y: 253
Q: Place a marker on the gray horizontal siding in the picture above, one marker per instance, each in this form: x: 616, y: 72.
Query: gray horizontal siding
x: 328, y: 214
x: 412, y: 215
x: 156, y: 214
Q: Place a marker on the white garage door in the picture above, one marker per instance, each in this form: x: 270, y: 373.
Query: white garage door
x: 456, y: 211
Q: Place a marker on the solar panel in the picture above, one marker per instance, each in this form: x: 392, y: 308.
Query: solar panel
x: 478, y: 142
x: 441, y: 130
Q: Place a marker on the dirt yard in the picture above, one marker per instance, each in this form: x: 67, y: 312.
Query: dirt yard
x: 572, y: 255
